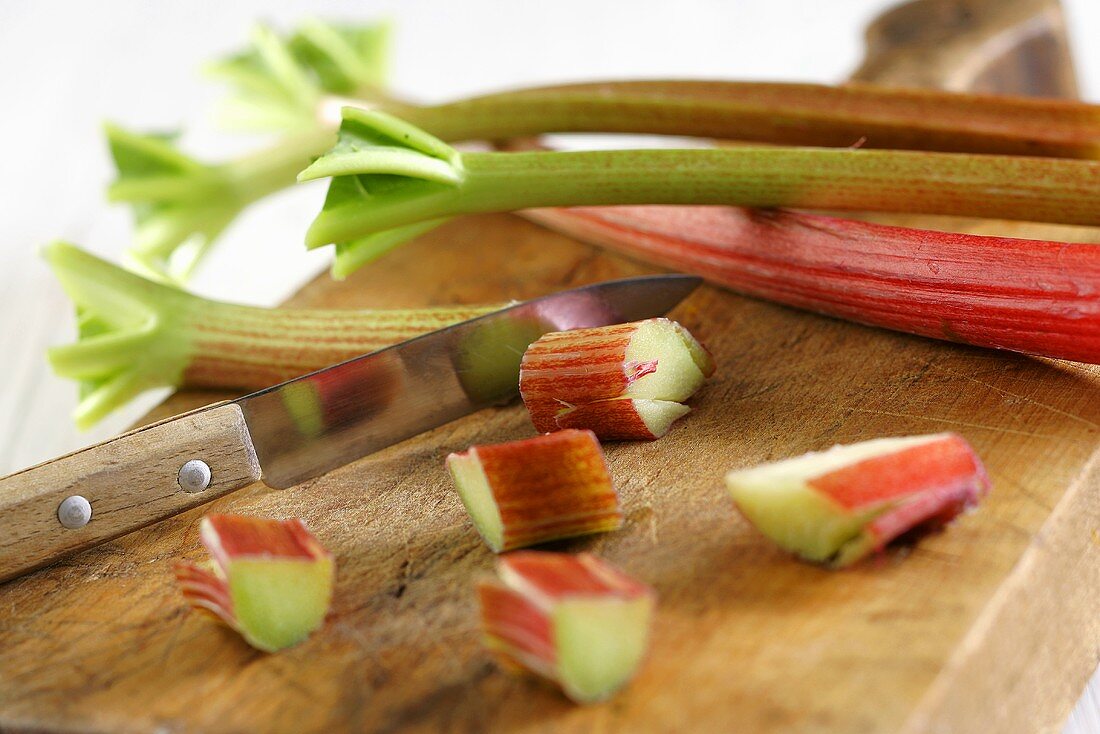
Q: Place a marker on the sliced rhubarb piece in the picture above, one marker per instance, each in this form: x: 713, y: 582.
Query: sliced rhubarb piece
x: 544, y: 488
x: 576, y: 620
x: 625, y: 381
x: 268, y: 579
x: 839, y: 505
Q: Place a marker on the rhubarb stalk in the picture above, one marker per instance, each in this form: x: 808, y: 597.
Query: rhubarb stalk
x: 137, y: 334
x: 388, y: 175
x: 575, y: 620
x: 840, y: 505
x: 538, y: 489
x: 1028, y: 296
x: 623, y: 382
x: 268, y: 579
x: 297, y: 84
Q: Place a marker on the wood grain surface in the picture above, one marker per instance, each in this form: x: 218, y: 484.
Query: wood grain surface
x: 988, y: 626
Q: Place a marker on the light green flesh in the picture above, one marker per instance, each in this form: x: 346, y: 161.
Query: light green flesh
x: 600, y: 644
x: 677, y: 376
x: 277, y: 603
x: 659, y: 415
x: 477, y: 496
x: 798, y: 519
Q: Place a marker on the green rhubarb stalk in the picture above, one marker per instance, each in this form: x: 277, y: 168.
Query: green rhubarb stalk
x: 136, y: 334
x: 866, y: 115
x: 292, y: 82
x: 388, y: 175
x: 296, y: 84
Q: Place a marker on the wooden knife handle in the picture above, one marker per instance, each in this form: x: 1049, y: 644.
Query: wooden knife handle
x: 129, y: 482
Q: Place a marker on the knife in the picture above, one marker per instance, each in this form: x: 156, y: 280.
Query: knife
x: 300, y: 429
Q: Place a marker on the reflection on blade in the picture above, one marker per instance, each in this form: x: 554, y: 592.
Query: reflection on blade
x: 315, y: 423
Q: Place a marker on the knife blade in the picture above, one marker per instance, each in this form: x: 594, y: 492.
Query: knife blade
x: 300, y: 429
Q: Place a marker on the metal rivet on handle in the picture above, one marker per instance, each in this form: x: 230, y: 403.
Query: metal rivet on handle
x: 74, y: 512
x: 194, y: 476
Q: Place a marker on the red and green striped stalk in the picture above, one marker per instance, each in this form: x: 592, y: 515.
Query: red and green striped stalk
x: 1028, y: 296
x: 521, y: 493
x: 575, y: 620
x: 388, y: 176
x: 137, y: 334
x: 622, y: 382
x: 840, y: 505
x: 270, y: 580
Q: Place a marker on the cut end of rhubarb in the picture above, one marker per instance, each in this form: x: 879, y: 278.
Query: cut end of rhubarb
x: 535, y: 490
x: 575, y: 620
x: 626, y: 381
x: 839, y: 505
x: 268, y: 579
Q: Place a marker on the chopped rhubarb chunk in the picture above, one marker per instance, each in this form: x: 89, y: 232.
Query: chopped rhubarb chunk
x: 840, y: 505
x: 268, y: 579
x: 544, y: 488
x: 575, y: 620
x: 625, y: 381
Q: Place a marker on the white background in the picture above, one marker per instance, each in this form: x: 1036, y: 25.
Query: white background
x: 65, y: 67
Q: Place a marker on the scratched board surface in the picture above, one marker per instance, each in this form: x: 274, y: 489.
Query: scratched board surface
x: 744, y: 635
x: 985, y: 627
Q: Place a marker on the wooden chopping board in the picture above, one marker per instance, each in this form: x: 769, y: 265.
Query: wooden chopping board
x: 989, y: 626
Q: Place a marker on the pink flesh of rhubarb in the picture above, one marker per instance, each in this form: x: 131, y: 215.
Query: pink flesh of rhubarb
x: 1030, y: 296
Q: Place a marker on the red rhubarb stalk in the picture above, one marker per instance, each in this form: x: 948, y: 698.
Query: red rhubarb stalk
x: 575, y: 620
x: 1030, y: 296
x: 840, y: 505
x: 623, y: 382
x: 268, y: 579
x: 538, y: 489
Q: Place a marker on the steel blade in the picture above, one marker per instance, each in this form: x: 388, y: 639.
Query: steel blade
x: 312, y: 424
